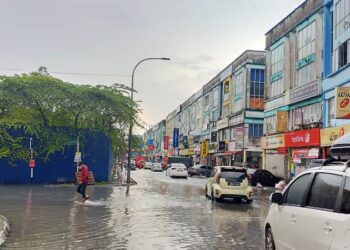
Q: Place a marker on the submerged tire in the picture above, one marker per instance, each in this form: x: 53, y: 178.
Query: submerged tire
x: 269, y: 241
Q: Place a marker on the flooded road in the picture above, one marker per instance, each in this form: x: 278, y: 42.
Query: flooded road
x: 158, y: 213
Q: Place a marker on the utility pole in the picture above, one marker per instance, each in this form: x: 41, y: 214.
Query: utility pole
x: 131, y: 122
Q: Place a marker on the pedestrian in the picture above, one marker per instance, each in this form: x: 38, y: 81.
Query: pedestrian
x: 84, y: 180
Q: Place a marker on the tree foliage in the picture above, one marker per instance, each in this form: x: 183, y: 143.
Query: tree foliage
x: 55, y: 113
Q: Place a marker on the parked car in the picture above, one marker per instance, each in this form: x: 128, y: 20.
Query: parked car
x: 200, y: 170
x: 229, y: 182
x: 177, y: 170
x: 313, y: 212
x: 157, y: 167
x: 315, y: 163
x: 148, y: 165
x: 262, y: 176
x: 177, y: 159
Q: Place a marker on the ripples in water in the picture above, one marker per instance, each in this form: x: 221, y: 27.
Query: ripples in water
x: 158, y: 213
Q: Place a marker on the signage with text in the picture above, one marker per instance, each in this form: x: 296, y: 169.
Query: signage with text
x: 175, y: 138
x: 272, y: 141
x: 166, y: 142
x: 303, y: 138
x: 239, y: 137
x: 342, y: 102
x: 329, y: 135
x: 205, y: 148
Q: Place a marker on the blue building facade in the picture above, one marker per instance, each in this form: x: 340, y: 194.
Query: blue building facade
x: 336, y: 67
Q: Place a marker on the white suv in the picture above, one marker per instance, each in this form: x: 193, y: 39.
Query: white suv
x: 313, y: 212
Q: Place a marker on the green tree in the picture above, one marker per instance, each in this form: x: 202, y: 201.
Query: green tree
x: 56, y: 112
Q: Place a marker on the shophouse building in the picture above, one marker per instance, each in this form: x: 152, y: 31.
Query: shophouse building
x: 245, y: 121
x: 293, y: 100
x: 336, y: 69
x: 211, y: 114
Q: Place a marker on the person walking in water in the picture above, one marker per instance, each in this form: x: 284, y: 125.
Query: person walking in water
x: 84, y: 180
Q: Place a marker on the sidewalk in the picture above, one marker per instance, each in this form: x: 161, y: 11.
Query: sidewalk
x: 4, y: 229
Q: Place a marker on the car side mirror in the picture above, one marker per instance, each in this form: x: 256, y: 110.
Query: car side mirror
x: 276, y: 198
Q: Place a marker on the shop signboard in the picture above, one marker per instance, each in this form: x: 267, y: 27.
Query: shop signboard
x: 191, y: 151
x: 166, y: 142
x: 302, y: 138
x: 282, y: 151
x: 272, y: 141
x: 205, y: 148
x: 329, y: 135
x: 282, y: 121
x: 305, y: 153
x: 239, y: 135
x: 212, y: 147
x: 231, y: 146
x: 214, y: 136
x: 183, y: 152
x: 342, y: 102
x: 222, y: 123
x: 175, y: 137
x: 149, y: 141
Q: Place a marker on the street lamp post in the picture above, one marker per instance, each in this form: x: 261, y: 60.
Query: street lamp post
x: 132, y: 98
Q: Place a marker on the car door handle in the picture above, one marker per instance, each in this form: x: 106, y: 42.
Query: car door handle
x: 327, y: 228
x: 293, y: 219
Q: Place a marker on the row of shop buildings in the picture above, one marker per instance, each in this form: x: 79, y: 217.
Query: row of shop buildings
x: 274, y: 109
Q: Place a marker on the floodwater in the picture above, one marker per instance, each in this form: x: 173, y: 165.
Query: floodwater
x: 158, y: 213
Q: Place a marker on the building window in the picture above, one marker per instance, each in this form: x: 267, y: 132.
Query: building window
x: 331, y: 111
x: 305, y: 115
x: 255, y: 130
x: 226, y: 91
x: 270, y: 124
x: 306, y: 50
x: 277, y: 66
x: 238, y: 92
x: 257, y: 77
x: 215, y: 97
x: 342, y: 17
x: 225, y: 111
x: 343, y: 55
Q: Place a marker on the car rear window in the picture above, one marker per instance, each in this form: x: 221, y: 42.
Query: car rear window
x: 233, y: 175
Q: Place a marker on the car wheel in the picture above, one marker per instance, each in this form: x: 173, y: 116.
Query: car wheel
x: 189, y: 175
x: 269, y: 241
x: 206, y: 192
x: 249, y: 201
x: 201, y: 175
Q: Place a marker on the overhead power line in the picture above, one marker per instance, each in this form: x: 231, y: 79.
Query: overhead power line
x: 68, y: 73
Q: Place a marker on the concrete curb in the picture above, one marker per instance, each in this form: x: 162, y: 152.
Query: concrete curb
x: 4, y: 229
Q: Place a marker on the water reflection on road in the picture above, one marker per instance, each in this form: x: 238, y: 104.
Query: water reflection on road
x: 158, y: 213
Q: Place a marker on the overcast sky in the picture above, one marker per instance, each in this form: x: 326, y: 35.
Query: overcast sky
x: 110, y: 36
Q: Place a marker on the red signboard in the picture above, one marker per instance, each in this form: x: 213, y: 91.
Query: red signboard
x: 151, y: 147
x: 282, y: 151
x: 32, y: 163
x: 166, y: 142
x: 302, y: 138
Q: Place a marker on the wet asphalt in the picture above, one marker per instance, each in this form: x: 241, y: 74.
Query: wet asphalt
x: 158, y: 213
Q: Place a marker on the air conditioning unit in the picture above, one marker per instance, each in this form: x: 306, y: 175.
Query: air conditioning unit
x: 314, y: 125
x: 297, y: 127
